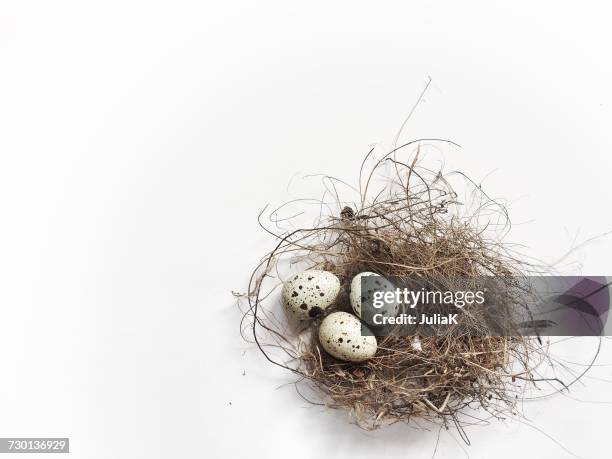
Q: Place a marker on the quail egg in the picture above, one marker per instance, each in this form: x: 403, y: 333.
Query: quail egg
x: 307, y: 294
x: 340, y: 335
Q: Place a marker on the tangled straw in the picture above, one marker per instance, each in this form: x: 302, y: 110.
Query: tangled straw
x: 413, y: 225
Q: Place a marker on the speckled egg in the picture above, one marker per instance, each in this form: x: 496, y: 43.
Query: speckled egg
x: 340, y: 335
x: 358, y: 297
x: 307, y: 294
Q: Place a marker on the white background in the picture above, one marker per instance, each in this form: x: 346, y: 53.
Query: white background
x: 139, y: 140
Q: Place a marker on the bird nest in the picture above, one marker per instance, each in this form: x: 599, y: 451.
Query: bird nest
x: 407, y: 220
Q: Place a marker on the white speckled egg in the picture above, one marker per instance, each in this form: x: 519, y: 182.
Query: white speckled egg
x: 340, y: 335
x: 358, y: 297
x: 307, y: 294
